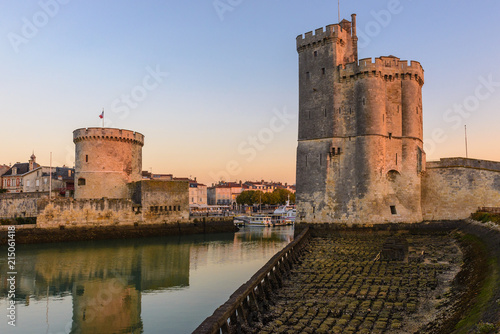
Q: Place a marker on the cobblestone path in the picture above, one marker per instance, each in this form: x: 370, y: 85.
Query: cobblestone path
x: 342, y: 286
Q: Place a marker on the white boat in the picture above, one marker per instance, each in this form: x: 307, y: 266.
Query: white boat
x: 284, y: 215
x: 241, y: 220
x: 260, y: 220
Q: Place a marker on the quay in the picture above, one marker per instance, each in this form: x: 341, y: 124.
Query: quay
x: 339, y: 279
x: 29, y: 234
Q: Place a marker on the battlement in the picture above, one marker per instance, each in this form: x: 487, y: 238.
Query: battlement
x: 330, y: 32
x: 464, y: 163
x: 108, y: 134
x: 384, y: 66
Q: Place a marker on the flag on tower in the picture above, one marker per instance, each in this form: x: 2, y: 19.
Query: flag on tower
x: 102, y: 114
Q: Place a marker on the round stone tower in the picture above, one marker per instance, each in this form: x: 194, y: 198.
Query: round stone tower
x: 106, y: 160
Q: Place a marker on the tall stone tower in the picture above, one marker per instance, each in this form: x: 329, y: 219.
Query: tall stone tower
x: 359, y: 154
x: 106, y: 160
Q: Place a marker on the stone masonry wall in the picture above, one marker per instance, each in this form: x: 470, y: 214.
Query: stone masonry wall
x: 454, y: 188
x: 162, y: 200
x: 86, y: 212
x: 20, y: 204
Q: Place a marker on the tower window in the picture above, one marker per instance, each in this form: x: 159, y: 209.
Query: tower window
x: 390, y: 135
x: 87, y: 158
x: 306, y: 160
x: 364, y: 101
x: 324, y: 110
x: 323, y: 70
x: 320, y: 159
x: 308, y: 75
x: 338, y: 150
x: 315, y: 53
x: 393, y: 210
x: 81, y: 181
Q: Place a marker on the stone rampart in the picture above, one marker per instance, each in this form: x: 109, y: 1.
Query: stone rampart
x: 453, y: 188
x: 14, y: 205
x: 85, y: 212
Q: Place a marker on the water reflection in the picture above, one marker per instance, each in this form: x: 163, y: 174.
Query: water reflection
x: 105, y: 284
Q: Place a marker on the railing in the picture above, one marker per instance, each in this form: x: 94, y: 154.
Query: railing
x: 251, y: 296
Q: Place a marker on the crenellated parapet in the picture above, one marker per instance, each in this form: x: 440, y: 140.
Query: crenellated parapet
x: 390, y: 68
x: 110, y: 134
x: 320, y: 36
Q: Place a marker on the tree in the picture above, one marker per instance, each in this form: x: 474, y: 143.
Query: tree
x: 245, y: 197
x: 282, y: 196
x: 270, y: 198
x: 257, y: 197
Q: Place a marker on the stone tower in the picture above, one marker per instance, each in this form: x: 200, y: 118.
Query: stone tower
x: 359, y: 154
x: 106, y: 160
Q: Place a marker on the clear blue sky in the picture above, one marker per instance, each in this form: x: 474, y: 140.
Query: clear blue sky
x: 232, y: 67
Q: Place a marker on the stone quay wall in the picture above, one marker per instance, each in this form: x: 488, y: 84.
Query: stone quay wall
x: 248, y: 299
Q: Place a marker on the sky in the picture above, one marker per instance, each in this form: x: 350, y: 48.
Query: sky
x: 213, y: 84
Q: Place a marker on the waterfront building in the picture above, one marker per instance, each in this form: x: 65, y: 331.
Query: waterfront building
x: 269, y: 187
x: 197, y: 194
x: 225, y: 193
x: 38, y: 180
x: 13, y: 178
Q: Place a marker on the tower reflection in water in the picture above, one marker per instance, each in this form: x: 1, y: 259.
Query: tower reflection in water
x: 105, y: 280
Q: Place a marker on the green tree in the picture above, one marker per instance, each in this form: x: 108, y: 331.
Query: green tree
x: 257, y: 197
x: 270, y: 198
x: 245, y: 197
x: 282, y: 196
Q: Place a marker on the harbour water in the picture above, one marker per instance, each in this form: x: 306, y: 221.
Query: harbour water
x: 151, y: 285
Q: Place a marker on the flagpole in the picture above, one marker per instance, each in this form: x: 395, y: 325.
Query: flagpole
x: 466, y: 150
x: 102, y: 117
x: 50, y: 177
x: 338, y: 8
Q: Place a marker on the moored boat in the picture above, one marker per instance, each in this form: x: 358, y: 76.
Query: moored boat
x: 260, y: 220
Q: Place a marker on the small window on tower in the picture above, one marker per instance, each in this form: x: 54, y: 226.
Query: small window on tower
x: 364, y: 101
x: 323, y: 70
x: 393, y: 210
x: 81, y: 182
x: 390, y: 135
x: 315, y: 53
x: 308, y: 75
x: 87, y: 158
